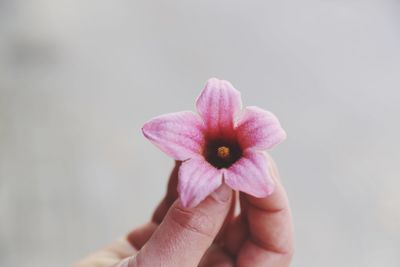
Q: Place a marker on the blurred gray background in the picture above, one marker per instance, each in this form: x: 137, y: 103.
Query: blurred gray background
x: 79, y: 78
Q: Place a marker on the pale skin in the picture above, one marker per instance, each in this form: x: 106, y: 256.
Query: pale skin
x: 209, y: 235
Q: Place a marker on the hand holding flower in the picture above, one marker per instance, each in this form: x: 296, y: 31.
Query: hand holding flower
x: 209, y: 234
x: 195, y: 224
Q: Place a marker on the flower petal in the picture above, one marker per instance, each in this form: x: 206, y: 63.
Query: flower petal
x: 197, y: 179
x: 250, y: 175
x: 258, y: 128
x: 180, y: 135
x: 218, y: 104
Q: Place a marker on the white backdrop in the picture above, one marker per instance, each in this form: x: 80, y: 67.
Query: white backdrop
x: 79, y: 78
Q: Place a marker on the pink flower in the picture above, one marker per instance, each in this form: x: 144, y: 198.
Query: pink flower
x: 218, y: 146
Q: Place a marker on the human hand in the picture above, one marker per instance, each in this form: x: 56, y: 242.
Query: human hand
x: 209, y: 234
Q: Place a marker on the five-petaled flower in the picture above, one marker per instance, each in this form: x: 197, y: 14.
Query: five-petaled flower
x: 220, y: 145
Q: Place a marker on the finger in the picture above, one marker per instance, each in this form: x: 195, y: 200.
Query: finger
x: 237, y: 231
x: 270, y: 228
x: 186, y: 233
x: 139, y: 236
x: 235, y: 235
x: 228, y: 219
x: 216, y: 257
x: 169, y: 197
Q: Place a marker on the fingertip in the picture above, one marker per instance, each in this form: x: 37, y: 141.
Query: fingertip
x: 223, y: 194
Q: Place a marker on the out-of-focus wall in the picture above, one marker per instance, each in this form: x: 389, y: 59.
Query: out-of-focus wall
x: 79, y: 78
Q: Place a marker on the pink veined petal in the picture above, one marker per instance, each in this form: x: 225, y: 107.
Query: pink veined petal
x: 259, y: 129
x: 196, y: 180
x: 180, y: 135
x: 250, y: 175
x: 218, y: 104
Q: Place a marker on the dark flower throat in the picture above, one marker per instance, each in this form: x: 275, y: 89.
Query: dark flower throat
x: 222, y: 153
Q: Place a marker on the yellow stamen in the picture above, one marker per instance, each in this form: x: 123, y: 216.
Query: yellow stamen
x: 223, y: 152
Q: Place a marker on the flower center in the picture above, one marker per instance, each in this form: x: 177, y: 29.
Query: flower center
x: 223, y: 152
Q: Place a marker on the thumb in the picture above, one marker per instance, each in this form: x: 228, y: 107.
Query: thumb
x: 186, y: 233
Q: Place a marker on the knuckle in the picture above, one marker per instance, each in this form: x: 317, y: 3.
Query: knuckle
x: 194, y: 221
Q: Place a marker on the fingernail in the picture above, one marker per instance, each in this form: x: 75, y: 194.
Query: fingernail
x: 222, y: 194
